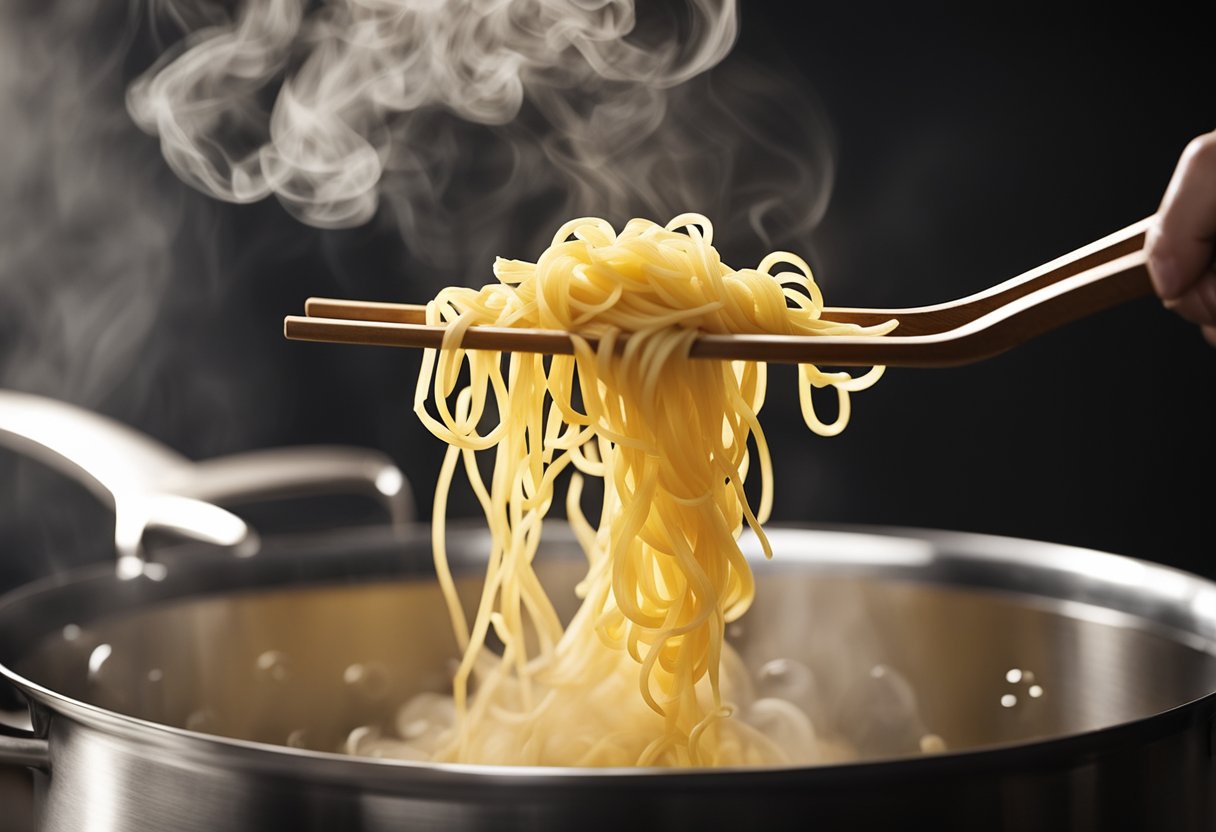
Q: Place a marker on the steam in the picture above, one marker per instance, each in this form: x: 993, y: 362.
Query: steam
x: 458, y: 129
x: 479, y: 125
x: 84, y: 254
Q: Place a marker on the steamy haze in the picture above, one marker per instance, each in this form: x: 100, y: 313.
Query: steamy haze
x: 453, y: 121
x: 461, y: 131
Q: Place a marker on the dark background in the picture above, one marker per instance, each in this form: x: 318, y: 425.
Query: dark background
x: 967, y: 151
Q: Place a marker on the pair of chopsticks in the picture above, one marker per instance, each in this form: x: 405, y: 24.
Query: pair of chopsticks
x: 1095, y: 277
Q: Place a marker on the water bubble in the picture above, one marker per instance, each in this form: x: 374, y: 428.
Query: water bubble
x: 425, y: 718
x: 932, y: 744
x: 786, y: 726
x: 358, y: 739
x: 371, y: 680
x: 879, y: 713
x: 156, y: 675
x: 890, y: 693
x: 274, y: 666
x: 786, y: 679
x: 71, y: 632
x: 1024, y: 678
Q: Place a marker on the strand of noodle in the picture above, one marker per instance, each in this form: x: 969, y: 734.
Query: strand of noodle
x: 468, y: 455
x: 439, y: 550
x: 864, y: 381
x: 751, y: 422
x: 447, y: 428
x: 808, y: 406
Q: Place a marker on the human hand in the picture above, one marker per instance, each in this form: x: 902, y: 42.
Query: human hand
x: 1180, y: 241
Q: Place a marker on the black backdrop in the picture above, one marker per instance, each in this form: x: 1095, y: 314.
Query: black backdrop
x: 967, y: 151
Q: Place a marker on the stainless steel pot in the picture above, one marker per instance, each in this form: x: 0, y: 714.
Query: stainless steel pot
x: 1073, y: 690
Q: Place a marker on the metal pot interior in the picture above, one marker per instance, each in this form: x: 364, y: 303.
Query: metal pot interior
x: 885, y: 640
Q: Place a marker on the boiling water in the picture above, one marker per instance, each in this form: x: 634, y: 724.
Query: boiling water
x: 837, y: 668
x: 781, y: 698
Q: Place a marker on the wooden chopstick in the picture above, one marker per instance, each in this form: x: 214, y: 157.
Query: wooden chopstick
x: 1094, y: 277
x: 362, y: 310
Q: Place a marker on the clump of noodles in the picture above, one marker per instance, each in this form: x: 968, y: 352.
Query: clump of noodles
x: 641, y: 675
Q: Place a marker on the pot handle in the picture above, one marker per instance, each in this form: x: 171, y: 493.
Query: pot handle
x: 23, y: 747
x: 297, y: 471
x: 150, y: 485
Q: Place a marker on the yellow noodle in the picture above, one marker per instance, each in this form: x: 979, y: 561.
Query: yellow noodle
x: 672, y: 439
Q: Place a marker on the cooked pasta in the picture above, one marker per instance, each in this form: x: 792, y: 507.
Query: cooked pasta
x: 641, y: 675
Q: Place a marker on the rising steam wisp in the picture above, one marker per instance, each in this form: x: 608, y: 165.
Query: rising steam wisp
x: 460, y: 115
